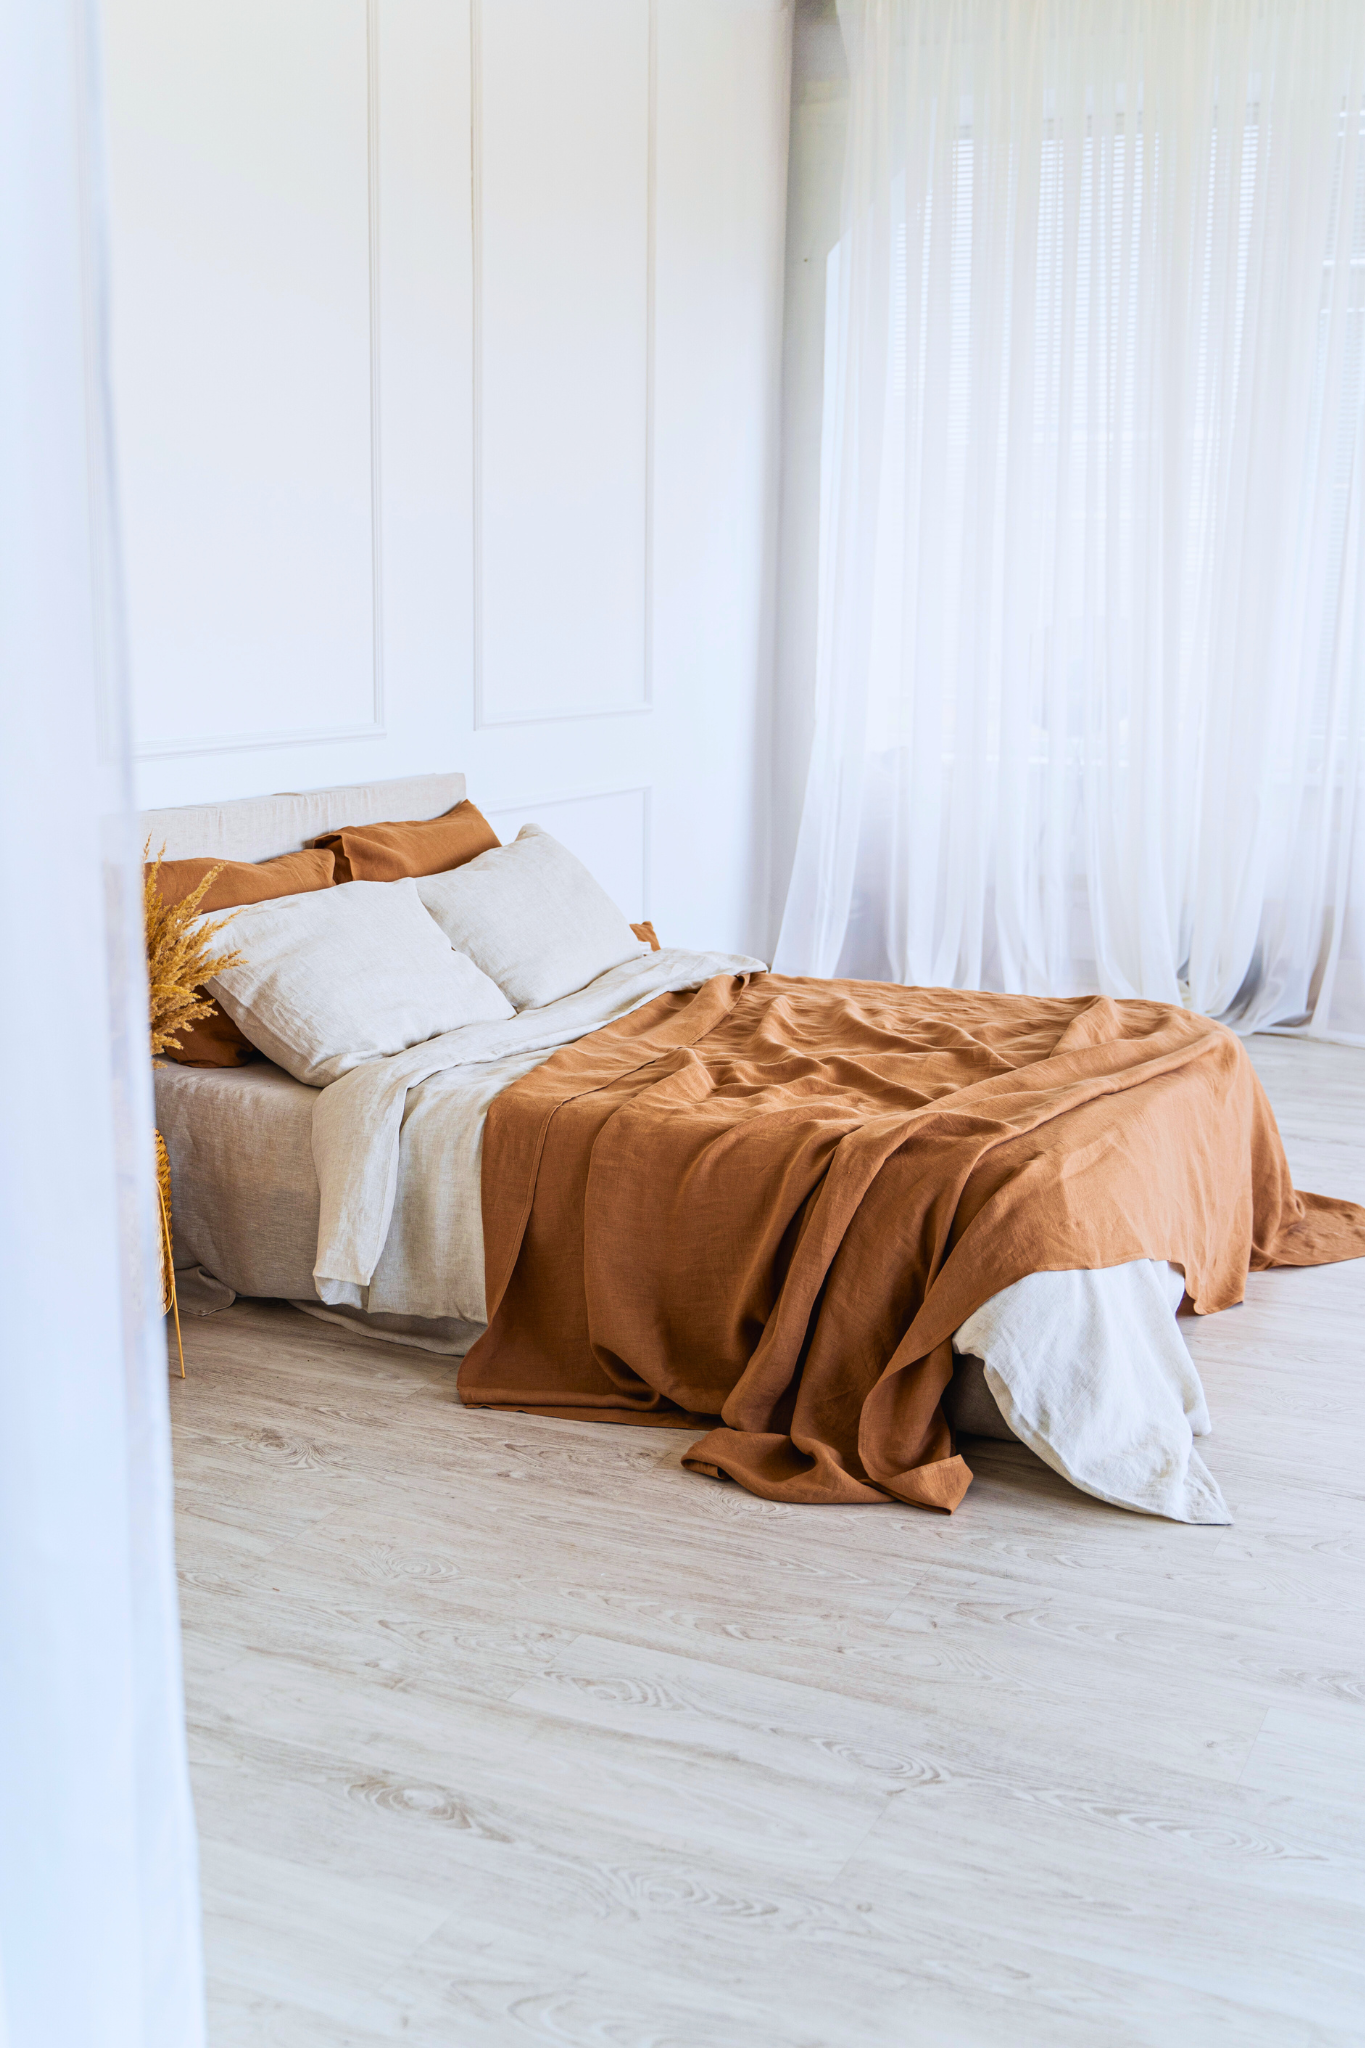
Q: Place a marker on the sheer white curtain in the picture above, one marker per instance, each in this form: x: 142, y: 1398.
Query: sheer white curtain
x: 99, y: 1920
x: 1091, y: 675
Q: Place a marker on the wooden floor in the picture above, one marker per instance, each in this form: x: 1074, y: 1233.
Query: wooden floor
x: 508, y: 1731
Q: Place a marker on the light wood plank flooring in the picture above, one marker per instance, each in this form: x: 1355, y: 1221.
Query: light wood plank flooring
x: 508, y: 1731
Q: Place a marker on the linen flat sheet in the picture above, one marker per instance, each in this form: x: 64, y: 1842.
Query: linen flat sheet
x: 774, y: 1200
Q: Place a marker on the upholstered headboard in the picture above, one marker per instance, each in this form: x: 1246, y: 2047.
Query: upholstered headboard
x: 259, y: 827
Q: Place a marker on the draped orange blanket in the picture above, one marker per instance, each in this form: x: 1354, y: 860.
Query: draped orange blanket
x: 765, y: 1205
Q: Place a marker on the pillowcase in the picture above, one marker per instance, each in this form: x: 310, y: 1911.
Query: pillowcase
x: 419, y: 846
x: 347, y: 975
x: 212, y: 1041
x: 215, y: 1041
x: 245, y: 881
x: 532, y: 917
x: 646, y: 931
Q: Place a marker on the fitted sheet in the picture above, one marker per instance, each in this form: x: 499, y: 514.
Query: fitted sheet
x: 244, y: 1192
x: 244, y: 1199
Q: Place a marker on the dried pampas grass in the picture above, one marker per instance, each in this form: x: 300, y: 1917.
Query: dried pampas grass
x: 180, y: 957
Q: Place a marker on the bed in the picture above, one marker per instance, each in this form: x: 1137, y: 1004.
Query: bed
x: 597, y: 1204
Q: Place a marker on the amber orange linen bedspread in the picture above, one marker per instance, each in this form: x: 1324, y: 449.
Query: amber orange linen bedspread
x: 766, y: 1204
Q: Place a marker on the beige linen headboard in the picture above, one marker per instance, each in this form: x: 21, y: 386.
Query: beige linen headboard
x: 259, y: 827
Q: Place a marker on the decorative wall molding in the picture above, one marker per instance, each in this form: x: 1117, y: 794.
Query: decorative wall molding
x: 527, y: 807
x: 651, y: 229
x: 375, y: 178
x: 476, y: 353
x: 483, y: 719
x: 255, y: 742
x: 375, y: 726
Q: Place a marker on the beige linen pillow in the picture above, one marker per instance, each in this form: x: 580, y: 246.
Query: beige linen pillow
x: 532, y: 917
x: 215, y: 1041
x: 342, y: 976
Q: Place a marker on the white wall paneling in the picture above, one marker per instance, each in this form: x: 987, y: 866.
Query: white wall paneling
x: 246, y: 166
x: 445, y: 367
x: 562, y: 149
x: 292, y: 362
x: 819, y: 125
x: 720, y: 202
x: 607, y: 829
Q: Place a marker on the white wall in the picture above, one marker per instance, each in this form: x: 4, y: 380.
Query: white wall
x: 819, y: 126
x: 446, y: 342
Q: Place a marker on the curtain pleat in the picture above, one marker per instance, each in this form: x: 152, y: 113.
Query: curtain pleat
x: 1091, y: 649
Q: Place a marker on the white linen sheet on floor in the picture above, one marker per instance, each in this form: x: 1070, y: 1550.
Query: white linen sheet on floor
x: 1089, y: 1369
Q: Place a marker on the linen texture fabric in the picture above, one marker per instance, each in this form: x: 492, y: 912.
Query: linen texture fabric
x: 246, y: 881
x: 771, y: 1203
x: 246, y: 1192
x: 416, y: 846
x: 258, y: 828
x: 215, y: 1041
x: 342, y: 976
x: 533, y: 918
x: 378, y: 1178
x: 212, y: 1041
x: 1098, y: 1382
x: 397, y: 1143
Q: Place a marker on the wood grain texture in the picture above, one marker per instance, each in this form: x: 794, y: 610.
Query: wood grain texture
x: 510, y: 1731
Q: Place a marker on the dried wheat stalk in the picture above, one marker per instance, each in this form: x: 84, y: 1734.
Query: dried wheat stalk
x: 180, y: 955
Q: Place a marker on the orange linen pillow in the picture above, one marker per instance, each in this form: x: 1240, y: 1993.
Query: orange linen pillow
x: 246, y: 881
x: 647, y: 932
x: 215, y: 1041
x: 212, y: 1041
x: 413, y: 846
